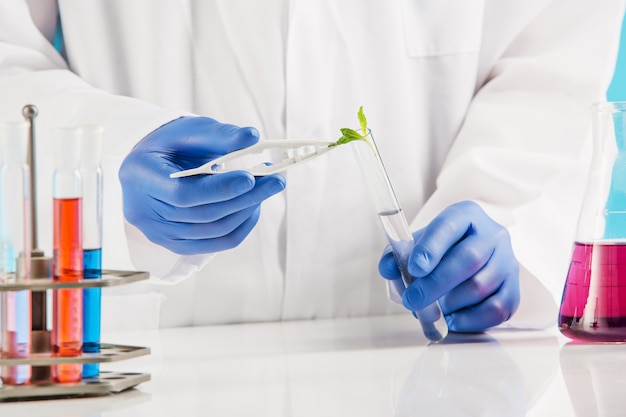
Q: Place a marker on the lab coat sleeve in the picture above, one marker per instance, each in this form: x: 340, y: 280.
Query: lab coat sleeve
x: 32, y: 72
x: 523, y: 150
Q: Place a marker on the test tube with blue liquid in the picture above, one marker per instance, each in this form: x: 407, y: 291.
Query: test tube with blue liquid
x: 91, y: 173
x: 15, y: 247
x: 398, y: 234
x: 67, y: 329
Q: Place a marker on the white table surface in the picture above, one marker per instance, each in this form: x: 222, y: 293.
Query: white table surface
x: 380, y: 366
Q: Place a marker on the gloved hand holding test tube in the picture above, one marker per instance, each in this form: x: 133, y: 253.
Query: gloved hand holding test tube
x: 273, y: 156
x: 397, y: 230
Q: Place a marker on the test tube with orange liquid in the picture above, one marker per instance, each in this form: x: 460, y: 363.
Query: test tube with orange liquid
x: 67, y: 310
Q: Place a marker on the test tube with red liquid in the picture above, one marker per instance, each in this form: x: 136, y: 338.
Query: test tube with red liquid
x: 67, y: 309
x: 15, y: 246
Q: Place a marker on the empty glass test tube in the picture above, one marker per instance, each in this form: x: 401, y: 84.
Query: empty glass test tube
x: 397, y: 230
x: 67, y: 313
x: 91, y: 173
x: 15, y: 246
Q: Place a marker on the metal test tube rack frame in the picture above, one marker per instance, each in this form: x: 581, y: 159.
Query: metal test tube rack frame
x: 41, y: 358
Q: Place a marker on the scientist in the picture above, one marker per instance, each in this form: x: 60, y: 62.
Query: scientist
x: 479, y: 108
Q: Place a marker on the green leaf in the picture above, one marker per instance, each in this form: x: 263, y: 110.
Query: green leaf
x: 362, y: 121
x: 349, y: 135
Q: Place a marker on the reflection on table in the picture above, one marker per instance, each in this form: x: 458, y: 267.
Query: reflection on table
x: 595, y: 375
x: 378, y: 366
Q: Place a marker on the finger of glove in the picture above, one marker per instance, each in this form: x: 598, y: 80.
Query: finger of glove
x: 198, y: 136
x: 221, y: 197
x: 461, y: 262
x: 166, y: 230
x: 147, y: 196
x: 491, y: 312
x: 441, y: 234
x: 387, y: 266
x: 212, y: 245
x: 484, y: 283
x: 208, y: 189
x: 146, y: 178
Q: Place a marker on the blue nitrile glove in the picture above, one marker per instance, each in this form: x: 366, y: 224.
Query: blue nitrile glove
x: 465, y: 260
x: 197, y: 214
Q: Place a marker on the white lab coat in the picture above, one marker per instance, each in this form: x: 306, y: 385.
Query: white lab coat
x: 468, y: 99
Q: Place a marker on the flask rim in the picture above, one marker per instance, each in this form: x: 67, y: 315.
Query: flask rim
x: 609, y: 106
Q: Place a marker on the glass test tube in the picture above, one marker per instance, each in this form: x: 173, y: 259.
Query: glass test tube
x: 15, y: 321
x: 67, y: 313
x: 397, y: 230
x: 91, y: 173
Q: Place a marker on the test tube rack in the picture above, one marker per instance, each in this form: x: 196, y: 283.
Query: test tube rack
x: 106, y: 382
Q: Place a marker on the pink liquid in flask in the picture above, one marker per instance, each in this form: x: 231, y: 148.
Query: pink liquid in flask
x: 593, y: 307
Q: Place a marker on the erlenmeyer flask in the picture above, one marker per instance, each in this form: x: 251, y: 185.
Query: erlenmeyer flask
x: 593, y: 307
